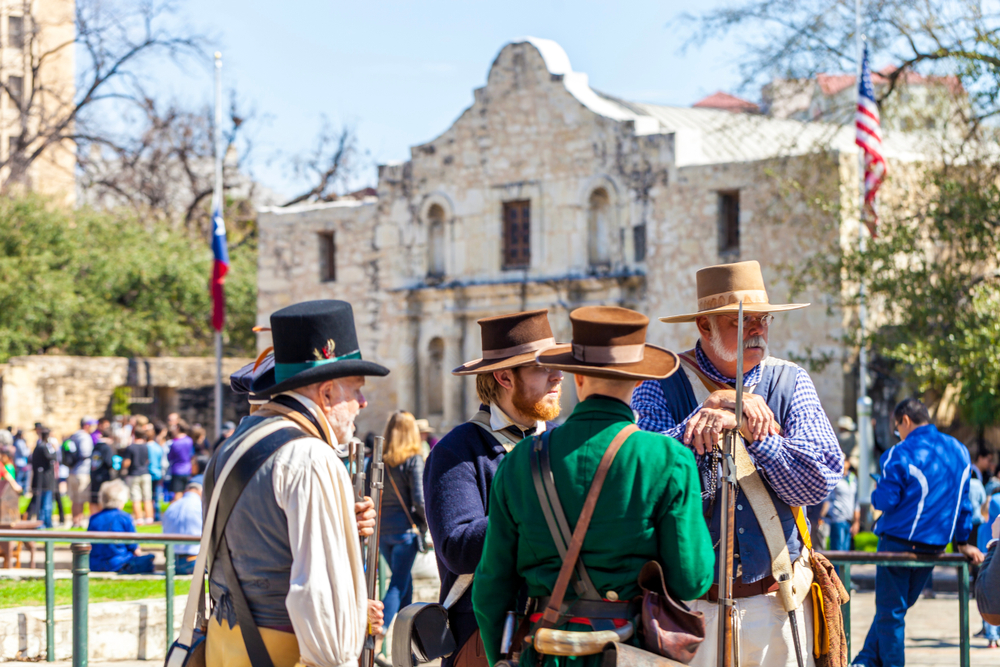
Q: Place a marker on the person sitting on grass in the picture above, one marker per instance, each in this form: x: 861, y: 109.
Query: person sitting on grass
x: 120, y: 558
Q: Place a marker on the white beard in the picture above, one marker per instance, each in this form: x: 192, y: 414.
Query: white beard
x: 727, y: 355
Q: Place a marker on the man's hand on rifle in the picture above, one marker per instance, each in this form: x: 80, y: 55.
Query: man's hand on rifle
x: 705, y: 428
x: 758, y: 415
x: 375, y: 617
x: 365, y: 513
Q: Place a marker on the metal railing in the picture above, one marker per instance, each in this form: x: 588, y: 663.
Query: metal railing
x: 844, y: 559
x: 80, y: 544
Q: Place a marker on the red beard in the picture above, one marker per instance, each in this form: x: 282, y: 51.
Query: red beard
x: 540, y: 408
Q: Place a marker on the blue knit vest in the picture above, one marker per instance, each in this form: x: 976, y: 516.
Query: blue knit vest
x: 751, y: 558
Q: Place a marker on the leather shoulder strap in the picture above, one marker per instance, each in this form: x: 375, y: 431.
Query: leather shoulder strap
x: 679, y: 395
x: 241, y: 475
x: 555, y: 517
x: 399, y: 497
x: 752, y: 485
x: 482, y: 420
x: 254, y: 643
x: 551, y: 614
x: 195, y: 605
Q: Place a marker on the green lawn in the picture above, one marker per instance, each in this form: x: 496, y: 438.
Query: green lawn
x: 24, y: 500
x: 31, y: 593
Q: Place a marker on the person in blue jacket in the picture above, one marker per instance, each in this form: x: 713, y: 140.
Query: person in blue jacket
x: 923, y: 494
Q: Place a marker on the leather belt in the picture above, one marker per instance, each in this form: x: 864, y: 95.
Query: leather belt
x: 742, y: 590
x: 581, y: 608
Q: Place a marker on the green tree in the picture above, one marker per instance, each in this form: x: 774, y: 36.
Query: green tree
x: 932, y: 274
x: 103, y: 284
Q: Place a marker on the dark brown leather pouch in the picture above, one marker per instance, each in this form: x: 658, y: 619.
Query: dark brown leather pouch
x: 669, y: 628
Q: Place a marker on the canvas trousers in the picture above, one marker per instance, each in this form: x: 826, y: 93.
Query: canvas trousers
x: 763, y: 632
x: 225, y: 647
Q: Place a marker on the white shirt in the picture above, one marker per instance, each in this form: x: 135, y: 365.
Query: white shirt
x: 499, y: 420
x: 327, y: 598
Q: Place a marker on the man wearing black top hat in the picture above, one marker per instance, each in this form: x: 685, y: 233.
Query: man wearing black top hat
x: 519, y: 398
x: 291, y: 540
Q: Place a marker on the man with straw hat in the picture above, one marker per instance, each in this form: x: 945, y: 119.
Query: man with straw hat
x: 646, y: 506
x: 518, y: 398
x: 788, y: 436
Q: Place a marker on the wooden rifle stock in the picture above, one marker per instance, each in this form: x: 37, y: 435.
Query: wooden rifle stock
x: 727, y: 532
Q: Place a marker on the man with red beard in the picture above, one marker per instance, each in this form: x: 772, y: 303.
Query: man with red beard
x: 519, y: 398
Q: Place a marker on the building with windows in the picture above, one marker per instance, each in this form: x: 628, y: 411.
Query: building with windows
x: 545, y: 193
x: 37, y: 89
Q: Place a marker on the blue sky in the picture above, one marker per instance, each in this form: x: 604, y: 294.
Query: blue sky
x: 401, y: 72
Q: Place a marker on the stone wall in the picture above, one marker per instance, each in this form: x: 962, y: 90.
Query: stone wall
x: 59, y: 390
x: 423, y: 260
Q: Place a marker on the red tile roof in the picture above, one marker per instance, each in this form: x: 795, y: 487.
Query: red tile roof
x: 726, y: 102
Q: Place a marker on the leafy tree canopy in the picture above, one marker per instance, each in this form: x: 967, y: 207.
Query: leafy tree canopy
x: 106, y: 284
x: 933, y: 274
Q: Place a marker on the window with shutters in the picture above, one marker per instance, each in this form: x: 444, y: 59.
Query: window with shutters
x: 516, y: 234
x: 15, y: 32
x: 729, y: 223
x: 435, y: 242
x: 599, y: 228
x: 327, y: 257
x: 639, y: 241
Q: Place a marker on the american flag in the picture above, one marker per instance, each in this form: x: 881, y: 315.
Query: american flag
x: 869, y: 138
x: 220, y: 267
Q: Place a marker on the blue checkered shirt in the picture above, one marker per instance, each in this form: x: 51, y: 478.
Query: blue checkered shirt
x: 802, y: 466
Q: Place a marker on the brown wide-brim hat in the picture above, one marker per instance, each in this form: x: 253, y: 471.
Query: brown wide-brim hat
x: 510, y: 341
x: 610, y: 342
x: 722, y: 287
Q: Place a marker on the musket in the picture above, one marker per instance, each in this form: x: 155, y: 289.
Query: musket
x: 728, y: 656
x: 358, y: 464
x: 371, y: 556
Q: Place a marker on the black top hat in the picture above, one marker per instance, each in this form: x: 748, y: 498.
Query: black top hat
x: 314, y: 341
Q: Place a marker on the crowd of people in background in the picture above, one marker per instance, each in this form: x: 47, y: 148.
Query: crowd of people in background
x: 102, y: 467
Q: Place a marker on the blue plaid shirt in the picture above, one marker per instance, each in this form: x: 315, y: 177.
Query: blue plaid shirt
x: 802, y: 466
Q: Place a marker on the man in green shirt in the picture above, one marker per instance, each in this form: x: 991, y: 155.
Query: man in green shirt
x: 649, y: 507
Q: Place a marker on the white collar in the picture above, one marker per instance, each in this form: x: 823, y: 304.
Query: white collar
x: 499, y: 420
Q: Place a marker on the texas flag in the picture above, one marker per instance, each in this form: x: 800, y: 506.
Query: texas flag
x: 220, y: 267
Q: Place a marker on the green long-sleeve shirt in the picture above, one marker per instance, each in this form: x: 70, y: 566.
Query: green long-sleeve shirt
x: 649, y: 509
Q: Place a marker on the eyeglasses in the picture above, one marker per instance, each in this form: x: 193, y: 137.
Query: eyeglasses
x: 749, y: 320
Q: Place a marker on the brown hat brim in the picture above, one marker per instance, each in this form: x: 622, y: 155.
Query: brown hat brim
x: 657, y: 363
x: 481, y: 366
x: 735, y: 308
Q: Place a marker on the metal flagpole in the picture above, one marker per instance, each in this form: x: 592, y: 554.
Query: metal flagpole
x: 217, y: 206
x: 864, y: 405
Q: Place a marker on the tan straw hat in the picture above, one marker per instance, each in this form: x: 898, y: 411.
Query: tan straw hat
x: 720, y: 289
x: 610, y: 342
x: 510, y: 341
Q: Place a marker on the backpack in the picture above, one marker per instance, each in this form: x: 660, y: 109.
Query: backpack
x: 70, y: 454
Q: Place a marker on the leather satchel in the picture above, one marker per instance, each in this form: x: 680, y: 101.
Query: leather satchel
x: 669, y: 627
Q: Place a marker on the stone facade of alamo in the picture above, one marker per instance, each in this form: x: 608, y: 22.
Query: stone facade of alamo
x: 545, y: 193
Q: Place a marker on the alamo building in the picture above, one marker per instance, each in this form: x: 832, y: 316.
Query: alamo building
x: 545, y: 193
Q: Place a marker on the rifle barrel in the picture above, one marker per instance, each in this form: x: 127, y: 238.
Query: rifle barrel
x: 371, y: 556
